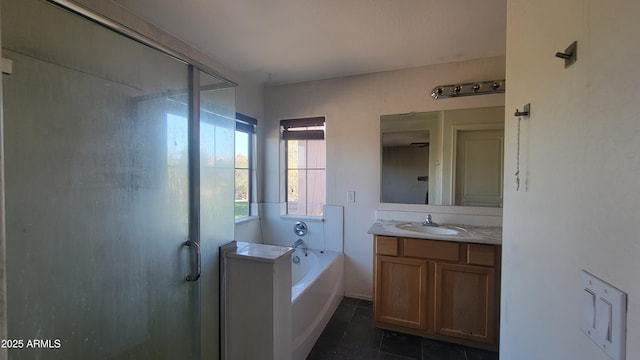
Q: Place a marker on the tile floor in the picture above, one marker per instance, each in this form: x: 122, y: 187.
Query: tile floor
x: 351, y: 334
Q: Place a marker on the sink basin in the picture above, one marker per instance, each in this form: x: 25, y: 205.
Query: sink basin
x: 433, y: 230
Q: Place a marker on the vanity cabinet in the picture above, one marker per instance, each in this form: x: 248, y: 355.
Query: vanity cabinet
x: 402, y: 291
x: 465, y: 302
x: 438, y: 289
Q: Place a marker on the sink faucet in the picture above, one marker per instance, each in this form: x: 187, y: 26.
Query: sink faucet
x: 428, y: 222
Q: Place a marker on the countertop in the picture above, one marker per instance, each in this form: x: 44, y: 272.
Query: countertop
x: 259, y: 252
x: 491, y: 235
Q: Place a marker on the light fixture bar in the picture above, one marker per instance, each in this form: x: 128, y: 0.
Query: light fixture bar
x: 468, y: 89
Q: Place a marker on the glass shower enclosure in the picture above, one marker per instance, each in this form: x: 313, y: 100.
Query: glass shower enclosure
x: 113, y: 162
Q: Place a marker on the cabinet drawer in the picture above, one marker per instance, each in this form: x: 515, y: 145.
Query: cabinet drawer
x: 386, y: 245
x: 431, y: 249
x: 478, y: 254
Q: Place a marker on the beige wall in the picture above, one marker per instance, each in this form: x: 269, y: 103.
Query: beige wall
x: 353, y: 106
x: 579, y: 204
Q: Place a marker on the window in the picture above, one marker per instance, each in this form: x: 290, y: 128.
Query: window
x: 305, y: 164
x: 245, y: 134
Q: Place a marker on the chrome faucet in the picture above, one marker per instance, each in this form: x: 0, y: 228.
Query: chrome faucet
x: 297, y: 243
x: 428, y: 222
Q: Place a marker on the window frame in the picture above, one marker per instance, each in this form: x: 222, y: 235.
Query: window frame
x: 314, y: 134
x: 248, y: 125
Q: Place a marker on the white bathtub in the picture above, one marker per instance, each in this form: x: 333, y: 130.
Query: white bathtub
x: 317, y: 289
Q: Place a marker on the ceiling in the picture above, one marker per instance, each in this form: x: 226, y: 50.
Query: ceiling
x: 406, y: 138
x: 287, y: 41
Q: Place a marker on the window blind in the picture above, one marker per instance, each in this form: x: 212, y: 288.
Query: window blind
x: 303, y: 129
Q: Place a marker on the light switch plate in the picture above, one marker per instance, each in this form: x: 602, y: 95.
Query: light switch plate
x: 351, y: 196
x: 604, y: 315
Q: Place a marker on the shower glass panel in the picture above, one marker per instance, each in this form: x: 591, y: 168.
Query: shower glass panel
x: 217, y: 194
x: 97, y: 208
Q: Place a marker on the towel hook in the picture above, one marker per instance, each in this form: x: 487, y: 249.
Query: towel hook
x: 570, y: 55
x: 526, y: 111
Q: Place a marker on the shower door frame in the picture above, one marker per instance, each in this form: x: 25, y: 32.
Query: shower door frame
x: 126, y: 31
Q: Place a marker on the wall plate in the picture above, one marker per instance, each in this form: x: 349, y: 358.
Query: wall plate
x: 572, y: 50
x: 603, y: 315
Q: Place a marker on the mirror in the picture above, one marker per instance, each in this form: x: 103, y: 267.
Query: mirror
x: 450, y: 157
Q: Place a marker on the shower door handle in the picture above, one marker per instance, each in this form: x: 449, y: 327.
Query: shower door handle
x: 194, y: 276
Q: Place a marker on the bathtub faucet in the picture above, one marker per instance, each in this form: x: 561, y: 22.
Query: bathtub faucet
x: 297, y: 243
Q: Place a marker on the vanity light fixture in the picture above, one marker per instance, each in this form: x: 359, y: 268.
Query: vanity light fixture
x: 468, y: 89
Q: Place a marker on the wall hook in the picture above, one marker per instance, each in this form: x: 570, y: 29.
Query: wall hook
x: 570, y: 55
x: 526, y: 111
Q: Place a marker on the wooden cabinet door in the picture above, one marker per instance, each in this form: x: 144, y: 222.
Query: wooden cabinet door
x: 401, y: 291
x: 465, y: 302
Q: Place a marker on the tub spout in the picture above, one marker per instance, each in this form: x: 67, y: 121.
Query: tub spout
x: 297, y: 243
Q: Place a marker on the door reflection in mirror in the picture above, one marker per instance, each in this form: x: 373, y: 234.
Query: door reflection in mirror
x: 451, y: 157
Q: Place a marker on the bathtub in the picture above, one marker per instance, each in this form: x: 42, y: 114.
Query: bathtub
x: 317, y: 287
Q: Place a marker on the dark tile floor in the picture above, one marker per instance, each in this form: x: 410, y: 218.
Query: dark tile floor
x: 351, y: 334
